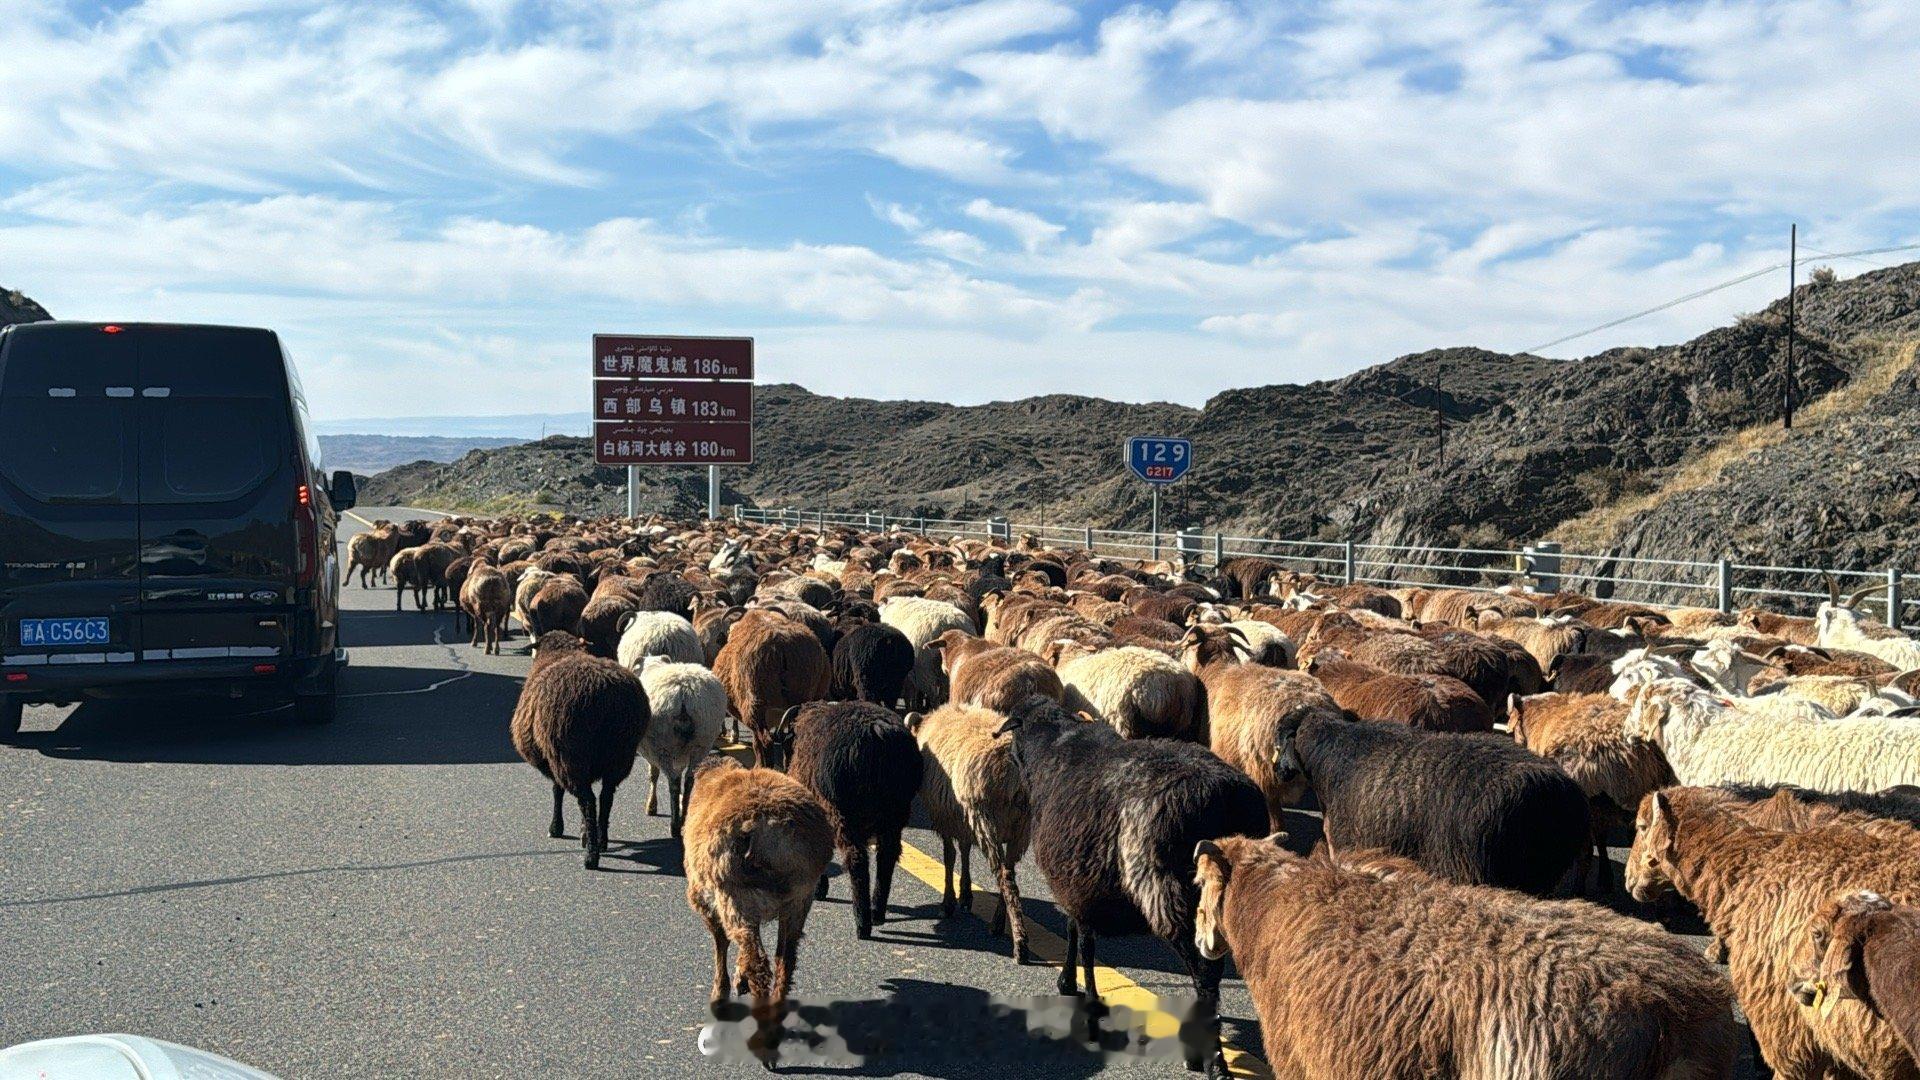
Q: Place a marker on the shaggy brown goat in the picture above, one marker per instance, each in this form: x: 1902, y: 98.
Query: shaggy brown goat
x: 756, y: 844
x: 974, y: 797
x: 1860, y: 947
x: 992, y: 676
x: 1429, y: 702
x: 1371, y: 968
x: 579, y: 721
x: 1251, y: 707
x: 1756, y: 888
x: 1585, y: 734
x: 486, y: 599
x: 770, y: 664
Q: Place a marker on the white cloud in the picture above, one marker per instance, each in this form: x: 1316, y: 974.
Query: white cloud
x: 950, y: 153
x: 1033, y: 230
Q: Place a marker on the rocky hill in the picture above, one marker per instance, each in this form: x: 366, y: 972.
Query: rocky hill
x: 17, y: 307
x: 1595, y: 451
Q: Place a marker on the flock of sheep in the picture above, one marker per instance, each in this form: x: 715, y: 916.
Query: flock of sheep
x: 1143, y: 729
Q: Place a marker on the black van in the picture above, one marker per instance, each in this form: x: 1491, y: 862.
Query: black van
x: 164, y: 524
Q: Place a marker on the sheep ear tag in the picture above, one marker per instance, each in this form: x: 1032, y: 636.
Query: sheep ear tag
x: 1823, y: 998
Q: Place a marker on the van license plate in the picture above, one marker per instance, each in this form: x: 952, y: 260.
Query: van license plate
x: 45, y: 632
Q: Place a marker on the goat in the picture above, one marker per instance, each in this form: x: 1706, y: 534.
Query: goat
x: 1370, y: 967
x: 1470, y: 808
x: 865, y: 766
x: 974, y: 797
x: 756, y: 843
x: 579, y: 721
x: 1115, y: 822
x: 1860, y: 947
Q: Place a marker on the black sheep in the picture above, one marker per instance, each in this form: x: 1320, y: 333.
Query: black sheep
x: 865, y: 765
x: 871, y: 663
x: 664, y: 590
x: 1115, y: 822
x: 579, y: 720
x: 1472, y: 808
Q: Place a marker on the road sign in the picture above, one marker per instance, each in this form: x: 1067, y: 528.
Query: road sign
x: 672, y: 443
x: 616, y: 399
x: 1159, y: 460
x: 629, y: 356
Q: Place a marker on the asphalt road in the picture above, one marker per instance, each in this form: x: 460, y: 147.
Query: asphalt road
x: 379, y: 898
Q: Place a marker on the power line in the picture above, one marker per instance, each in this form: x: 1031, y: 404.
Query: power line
x: 1711, y: 289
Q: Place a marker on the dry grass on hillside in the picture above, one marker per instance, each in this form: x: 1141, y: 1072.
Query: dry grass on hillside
x: 1883, y: 360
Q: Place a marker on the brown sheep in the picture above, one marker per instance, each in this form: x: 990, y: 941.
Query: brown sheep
x: 992, y: 676
x: 1795, y: 628
x: 1548, y: 640
x: 1371, y: 968
x: 557, y: 605
x: 1757, y: 888
x: 1429, y: 702
x: 370, y: 552
x: 485, y: 598
x: 769, y: 664
x: 1860, y: 947
x: 756, y: 845
x: 974, y: 798
x: 579, y: 721
x: 1250, y: 708
x: 1585, y: 734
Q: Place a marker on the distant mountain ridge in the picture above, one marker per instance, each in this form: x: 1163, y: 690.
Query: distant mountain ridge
x: 366, y: 455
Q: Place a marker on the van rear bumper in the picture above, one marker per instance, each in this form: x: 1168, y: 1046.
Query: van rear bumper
x: 265, y: 676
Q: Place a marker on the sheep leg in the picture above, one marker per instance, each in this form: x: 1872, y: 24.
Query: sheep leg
x: 786, y: 956
x: 399, y: 591
x: 1066, y: 983
x: 589, y: 825
x: 558, y: 827
x: 1009, y: 916
x: 860, y: 880
x: 653, y: 789
x: 765, y: 1042
x: 607, y: 788
x: 1094, y: 1007
x: 820, y: 892
x: 1201, y: 1027
x: 946, y: 881
x: 887, y: 856
x: 675, y: 814
x: 722, y: 986
x: 966, y: 875
x: 686, y: 792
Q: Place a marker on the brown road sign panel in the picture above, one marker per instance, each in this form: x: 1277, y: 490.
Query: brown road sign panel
x: 627, y: 356
x: 616, y: 399
x: 640, y: 443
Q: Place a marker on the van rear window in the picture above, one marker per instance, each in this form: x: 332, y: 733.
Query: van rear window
x: 65, y: 449
x: 209, y: 449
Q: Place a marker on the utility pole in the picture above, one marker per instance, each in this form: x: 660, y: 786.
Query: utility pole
x: 1793, y: 278
x: 1439, y: 418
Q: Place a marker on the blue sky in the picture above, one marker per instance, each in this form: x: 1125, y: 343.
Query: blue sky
x: 438, y: 202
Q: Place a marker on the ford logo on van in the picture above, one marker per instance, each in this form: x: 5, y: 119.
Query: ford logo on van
x: 263, y: 596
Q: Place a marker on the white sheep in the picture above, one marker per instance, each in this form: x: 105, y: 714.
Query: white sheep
x: 1268, y: 643
x: 689, y: 709
x: 1710, y: 739
x: 1637, y: 667
x: 1142, y: 692
x: 923, y: 621
x: 1839, y: 626
x: 657, y: 633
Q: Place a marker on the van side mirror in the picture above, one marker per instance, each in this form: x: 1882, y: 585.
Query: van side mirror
x: 342, y: 493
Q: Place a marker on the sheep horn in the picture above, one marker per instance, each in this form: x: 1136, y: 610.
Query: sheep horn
x: 1670, y: 650
x: 786, y: 718
x: 1234, y: 631
x: 1767, y: 657
x: 1903, y: 680
x: 1760, y: 659
x: 1860, y: 594
x: 1833, y: 590
x: 1208, y: 848
x: 1006, y: 727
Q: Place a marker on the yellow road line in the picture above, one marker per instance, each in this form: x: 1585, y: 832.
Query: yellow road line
x: 358, y: 518
x: 1115, y: 988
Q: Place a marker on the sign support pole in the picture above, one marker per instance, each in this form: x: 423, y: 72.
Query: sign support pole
x: 713, y: 493
x: 633, y: 492
x: 1156, y: 522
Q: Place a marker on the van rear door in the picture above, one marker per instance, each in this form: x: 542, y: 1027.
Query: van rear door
x: 219, y: 481
x: 69, y: 516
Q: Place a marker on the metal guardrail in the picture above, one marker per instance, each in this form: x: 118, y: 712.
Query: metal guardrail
x: 1719, y: 583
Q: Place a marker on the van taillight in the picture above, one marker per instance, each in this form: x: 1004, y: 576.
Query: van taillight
x: 306, y: 532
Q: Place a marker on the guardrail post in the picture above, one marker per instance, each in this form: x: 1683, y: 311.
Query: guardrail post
x: 920, y: 524
x: 1219, y: 550
x: 1894, y: 602
x: 1543, y: 565
x: 1001, y: 528
x: 883, y: 521
x: 1187, y: 543
x: 1086, y: 538
x: 1723, y: 571
x: 1156, y: 543
x: 1348, y: 568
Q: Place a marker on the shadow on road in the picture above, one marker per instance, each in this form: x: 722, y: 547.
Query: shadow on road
x: 387, y: 717
x: 380, y: 629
